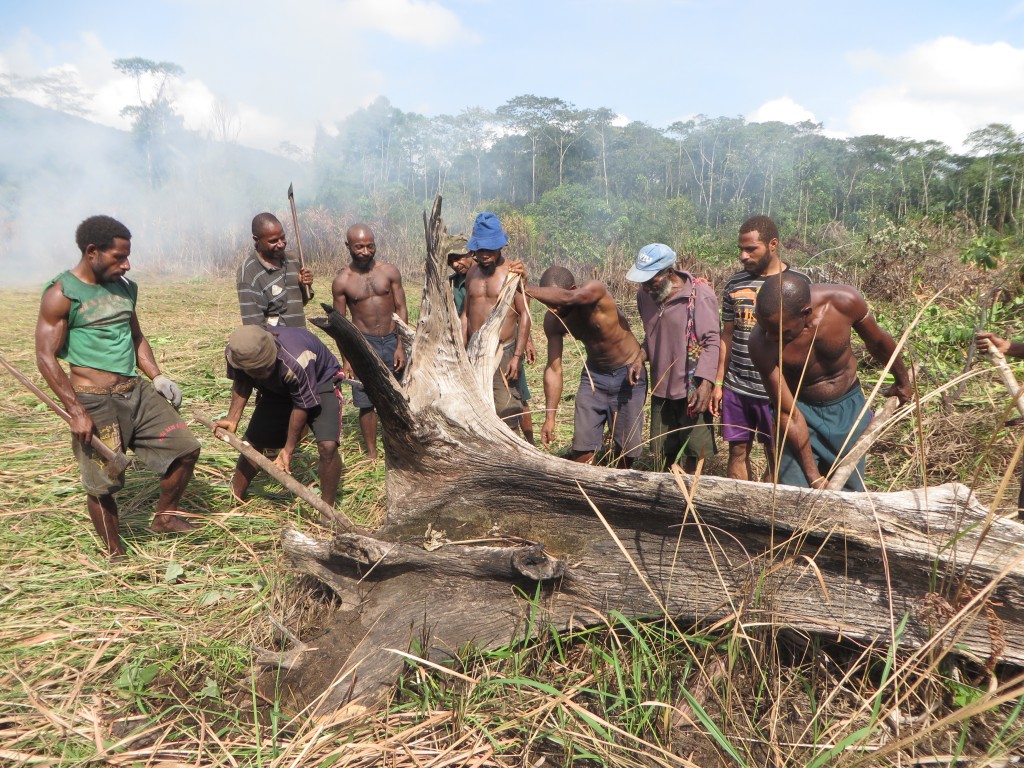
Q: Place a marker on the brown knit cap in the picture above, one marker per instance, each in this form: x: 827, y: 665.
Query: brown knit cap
x: 251, y: 348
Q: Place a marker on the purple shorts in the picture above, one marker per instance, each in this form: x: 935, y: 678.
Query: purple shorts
x: 745, y: 417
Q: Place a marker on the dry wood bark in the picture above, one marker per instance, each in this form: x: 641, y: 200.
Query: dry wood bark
x: 587, y: 540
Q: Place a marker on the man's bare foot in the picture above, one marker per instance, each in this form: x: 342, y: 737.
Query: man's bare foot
x: 166, y: 522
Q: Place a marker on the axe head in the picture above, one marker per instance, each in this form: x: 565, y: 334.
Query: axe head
x: 116, y: 465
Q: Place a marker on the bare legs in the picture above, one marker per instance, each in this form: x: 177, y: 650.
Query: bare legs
x: 103, y: 513
x: 587, y: 457
x: 526, y: 425
x: 368, y: 428
x: 328, y: 468
x: 739, y: 463
x: 172, y: 486
x: 103, y: 509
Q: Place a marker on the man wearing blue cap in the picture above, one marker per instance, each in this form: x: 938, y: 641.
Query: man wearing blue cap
x: 483, y: 284
x: 680, y: 317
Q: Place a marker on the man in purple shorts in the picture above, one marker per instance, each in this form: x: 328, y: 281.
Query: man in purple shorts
x: 297, y: 380
x: 613, y: 386
x: 739, y: 397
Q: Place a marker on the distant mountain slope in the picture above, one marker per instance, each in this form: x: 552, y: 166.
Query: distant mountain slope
x: 188, y: 200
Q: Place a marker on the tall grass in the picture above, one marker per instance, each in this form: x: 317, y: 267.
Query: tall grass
x: 150, y: 662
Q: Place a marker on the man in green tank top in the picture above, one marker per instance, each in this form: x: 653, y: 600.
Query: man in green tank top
x: 87, y: 318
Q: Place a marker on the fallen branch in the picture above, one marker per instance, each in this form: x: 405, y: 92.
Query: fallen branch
x: 878, y: 423
x: 1006, y: 374
x: 336, y: 518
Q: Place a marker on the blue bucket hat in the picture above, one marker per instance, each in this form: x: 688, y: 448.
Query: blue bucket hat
x: 487, y: 234
x: 650, y: 261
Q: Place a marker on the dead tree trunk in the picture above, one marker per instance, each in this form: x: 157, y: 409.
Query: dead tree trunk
x: 586, y: 540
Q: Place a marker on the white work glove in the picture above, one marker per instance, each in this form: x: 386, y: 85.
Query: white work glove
x: 167, y: 388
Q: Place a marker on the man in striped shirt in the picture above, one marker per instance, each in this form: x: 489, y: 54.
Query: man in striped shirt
x: 268, y: 279
x: 297, y: 378
x: 739, y: 397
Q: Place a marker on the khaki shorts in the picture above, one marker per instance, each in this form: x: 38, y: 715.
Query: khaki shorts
x: 508, y: 398
x: 675, y: 433
x: 141, y: 420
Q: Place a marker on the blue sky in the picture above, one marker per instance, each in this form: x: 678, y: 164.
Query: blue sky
x: 925, y: 70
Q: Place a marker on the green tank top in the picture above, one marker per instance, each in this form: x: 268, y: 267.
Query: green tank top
x: 99, y: 324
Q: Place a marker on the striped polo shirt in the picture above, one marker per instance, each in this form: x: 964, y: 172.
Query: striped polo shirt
x: 268, y: 295
x: 738, y: 302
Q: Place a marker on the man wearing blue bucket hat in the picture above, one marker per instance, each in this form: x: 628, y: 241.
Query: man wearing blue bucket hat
x: 483, y: 284
x: 680, y: 317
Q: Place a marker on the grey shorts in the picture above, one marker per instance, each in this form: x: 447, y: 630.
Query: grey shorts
x: 141, y: 420
x: 613, y: 401
x: 385, y: 347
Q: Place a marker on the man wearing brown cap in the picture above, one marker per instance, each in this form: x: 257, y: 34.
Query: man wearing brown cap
x: 297, y: 378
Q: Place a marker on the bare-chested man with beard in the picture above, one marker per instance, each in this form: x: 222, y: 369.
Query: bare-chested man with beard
x: 613, y: 386
x: 483, y: 284
x: 372, y: 291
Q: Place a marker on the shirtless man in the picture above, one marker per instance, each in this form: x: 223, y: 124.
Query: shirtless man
x: 817, y: 399
x: 613, y: 386
x: 483, y: 284
x: 372, y: 290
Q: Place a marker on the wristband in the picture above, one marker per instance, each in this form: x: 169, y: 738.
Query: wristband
x: 719, y: 383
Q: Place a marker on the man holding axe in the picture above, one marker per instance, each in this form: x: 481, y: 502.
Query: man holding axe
x: 272, y: 286
x: 87, y: 317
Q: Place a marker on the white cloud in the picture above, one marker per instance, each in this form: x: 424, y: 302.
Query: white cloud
x: 942, y: 89
x: 313, y: 63
x: 427, y: 23
x: 782, y: 110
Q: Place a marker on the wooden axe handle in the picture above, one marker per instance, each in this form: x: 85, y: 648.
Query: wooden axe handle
x: 117, y: 459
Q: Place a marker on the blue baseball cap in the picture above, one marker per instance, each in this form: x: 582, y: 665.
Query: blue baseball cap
x: 487, y: 234
x: 650, y: 261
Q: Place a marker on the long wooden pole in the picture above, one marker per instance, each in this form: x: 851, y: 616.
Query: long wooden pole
x: 998, y: 359
x: 842, y: 472
x: 336, y: 518
x: 307, y: 294
x: 116, y: 461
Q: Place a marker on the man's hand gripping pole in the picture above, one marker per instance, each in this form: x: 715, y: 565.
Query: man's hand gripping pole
x: 307, y: 293
x: 116, y: 462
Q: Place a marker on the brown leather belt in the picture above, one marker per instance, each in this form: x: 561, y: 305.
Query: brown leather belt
x: 117, y: 389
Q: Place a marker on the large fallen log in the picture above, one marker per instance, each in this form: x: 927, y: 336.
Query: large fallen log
x: 482, y: 528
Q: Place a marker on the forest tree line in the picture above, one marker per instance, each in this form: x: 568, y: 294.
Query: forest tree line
x: 574, y: 185
x: 586, y: 182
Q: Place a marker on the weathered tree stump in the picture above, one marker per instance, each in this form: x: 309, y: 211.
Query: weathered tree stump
x: 586, y: 540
